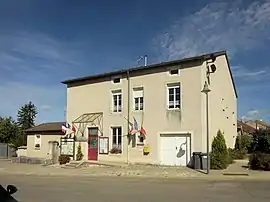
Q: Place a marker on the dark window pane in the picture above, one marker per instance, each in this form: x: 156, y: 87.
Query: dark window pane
x: 116, y: 80
x: 171, y: 97
x: 171, y: 91
x: 177, y: 97
x: 174, y: 71
x: 177, y: 90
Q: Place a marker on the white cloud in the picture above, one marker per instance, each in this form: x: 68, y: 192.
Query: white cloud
x: 239, y: 71
x: 45, y: 107
x: 16, y: 94
x: 233, y: 26
x: 256, y: 114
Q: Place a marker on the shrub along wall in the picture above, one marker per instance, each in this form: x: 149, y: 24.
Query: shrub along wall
x: 260, y: 146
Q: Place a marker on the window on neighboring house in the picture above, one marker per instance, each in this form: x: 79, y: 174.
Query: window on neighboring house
x: 37, y: 141
x: 117, y: 101
x: 173, y: 96
x: 174, y: 72
x: 117, y: 138
x: 138, y: 99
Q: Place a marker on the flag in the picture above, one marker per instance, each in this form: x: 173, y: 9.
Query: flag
x: 142, y: 131
x: 64, y: 128
x: 135, y: 124
x: 73, y: 128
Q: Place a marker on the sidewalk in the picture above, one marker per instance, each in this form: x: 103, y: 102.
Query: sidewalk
x: 143, y: 171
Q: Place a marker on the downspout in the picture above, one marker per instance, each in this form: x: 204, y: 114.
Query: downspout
x: 128, y: 115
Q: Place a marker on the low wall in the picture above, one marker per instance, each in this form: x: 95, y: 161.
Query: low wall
x: 22, y: 151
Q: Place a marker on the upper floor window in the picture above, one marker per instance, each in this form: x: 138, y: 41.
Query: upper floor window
x: 173, y: 93
x: 138, y: 99
x: 117, y: 101
x: 116, y: 80
x: 174, y: 72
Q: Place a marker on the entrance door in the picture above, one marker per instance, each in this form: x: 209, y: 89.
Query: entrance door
x: 175, y: 150
x: 93, y: 144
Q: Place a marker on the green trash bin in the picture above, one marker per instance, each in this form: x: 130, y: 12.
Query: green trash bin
x: 197, y: 160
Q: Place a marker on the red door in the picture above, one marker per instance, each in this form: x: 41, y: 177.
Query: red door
x: 93, y: 144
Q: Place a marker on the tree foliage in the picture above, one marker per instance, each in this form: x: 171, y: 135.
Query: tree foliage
x: 26, y: 119
x: 219, y: 153
x: 79, y: 155
x: 12, y: 132
x: 8, y: 130
x: 27, y: 115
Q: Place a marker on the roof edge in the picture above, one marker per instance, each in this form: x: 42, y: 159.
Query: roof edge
x: 122, y: 71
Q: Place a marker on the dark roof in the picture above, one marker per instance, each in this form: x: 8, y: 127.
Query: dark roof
x: 136, y: 69
x: 263, y: 124
x: 53, y: 126
x: 246, y: 128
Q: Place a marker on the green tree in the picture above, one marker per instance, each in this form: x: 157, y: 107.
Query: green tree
x: 26, y: 119
x: 27, y: 115
x: 79, y: 155
x: 219, y: 153
x: 9, y: 130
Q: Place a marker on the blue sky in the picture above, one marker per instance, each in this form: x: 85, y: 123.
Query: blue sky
x: 45, y: 42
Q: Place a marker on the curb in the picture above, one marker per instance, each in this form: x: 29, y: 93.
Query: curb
x: 117, y: 175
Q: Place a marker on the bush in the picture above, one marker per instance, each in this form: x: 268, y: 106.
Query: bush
x: 79, y: 155
x: 219, y: 154
x: 243, y: 143
x: 230, y: 156
x: 116, y: 150
x: 63, y: 159
x: 237, y: 154
x: 261, y: 141
x: 259, y: 161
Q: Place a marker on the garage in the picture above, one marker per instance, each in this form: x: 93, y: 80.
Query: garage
x: 175, y: 149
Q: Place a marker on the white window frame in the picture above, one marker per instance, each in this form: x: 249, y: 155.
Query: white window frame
x: 121, y: 136
x: 37, y: 141
x: 173, y: 86
x: 169, y: 72
x: 119, y: 108
x: 138, y: 93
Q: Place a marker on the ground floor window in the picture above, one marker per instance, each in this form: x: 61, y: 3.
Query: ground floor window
x: 117, y: 143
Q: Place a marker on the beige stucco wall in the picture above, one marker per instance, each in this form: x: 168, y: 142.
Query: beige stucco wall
x: 222, y: 104
x: 97, y: 97
x: 44, y: 150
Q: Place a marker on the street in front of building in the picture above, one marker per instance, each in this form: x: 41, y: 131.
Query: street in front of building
x: 70, y: 189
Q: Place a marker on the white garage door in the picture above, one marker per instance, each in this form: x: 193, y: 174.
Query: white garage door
x: 175, y: 150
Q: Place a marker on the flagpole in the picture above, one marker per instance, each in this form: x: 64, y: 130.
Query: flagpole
x: 128, y: 117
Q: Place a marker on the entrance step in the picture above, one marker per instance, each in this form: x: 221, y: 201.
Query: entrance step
x: 73, y: 164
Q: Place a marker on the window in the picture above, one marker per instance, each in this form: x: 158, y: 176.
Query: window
x: 138, y: 99
x: 37, y: 141
x: 117, y: 138
x: 173, y: 96
x: 140, y: 139
x: 117, y: 101
x: 116, y: 80
x: 174, y: 72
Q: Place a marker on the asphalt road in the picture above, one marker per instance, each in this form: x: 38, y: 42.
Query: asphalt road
x: 118, y: 189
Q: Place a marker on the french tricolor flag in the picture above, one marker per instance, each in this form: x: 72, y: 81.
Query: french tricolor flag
x: 65, y: 127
